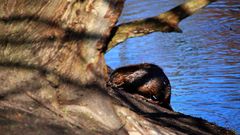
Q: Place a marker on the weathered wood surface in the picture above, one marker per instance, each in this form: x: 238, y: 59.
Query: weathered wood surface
x: 59, y: 36
x: 142, y: 117
x: 165, y: 22
x: 51, y: 53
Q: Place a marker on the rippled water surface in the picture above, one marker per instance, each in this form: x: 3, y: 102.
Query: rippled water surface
x: 202, y: 63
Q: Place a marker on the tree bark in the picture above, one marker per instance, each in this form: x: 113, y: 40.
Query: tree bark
x: 56, y: 48
x: 63, y: 37
x: 53, y: 72
x: 165, y: 22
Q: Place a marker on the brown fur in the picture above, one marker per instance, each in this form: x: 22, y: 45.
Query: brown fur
x: 145, y: 79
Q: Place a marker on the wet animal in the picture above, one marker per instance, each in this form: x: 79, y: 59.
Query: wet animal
x: 145, y: 79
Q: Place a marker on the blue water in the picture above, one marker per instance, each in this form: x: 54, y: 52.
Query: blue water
x: 202, y: 63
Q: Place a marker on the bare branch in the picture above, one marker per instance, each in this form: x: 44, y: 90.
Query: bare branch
x: 166, y: 22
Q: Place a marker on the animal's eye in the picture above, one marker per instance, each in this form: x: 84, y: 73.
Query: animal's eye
x: 153, y: 97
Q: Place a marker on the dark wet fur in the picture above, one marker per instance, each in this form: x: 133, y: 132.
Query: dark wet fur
x: 145, y: 79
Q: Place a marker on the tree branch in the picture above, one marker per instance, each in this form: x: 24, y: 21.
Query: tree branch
x: 166, y: 22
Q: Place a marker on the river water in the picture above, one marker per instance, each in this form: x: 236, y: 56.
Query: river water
x: 202, y: 63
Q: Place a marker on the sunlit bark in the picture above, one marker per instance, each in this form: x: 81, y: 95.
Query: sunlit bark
x: 51, y: 55
x: 166, y: 22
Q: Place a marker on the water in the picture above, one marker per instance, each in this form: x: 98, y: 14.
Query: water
x: 202, y: 63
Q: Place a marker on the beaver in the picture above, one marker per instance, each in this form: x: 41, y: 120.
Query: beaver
x: 144, y: 79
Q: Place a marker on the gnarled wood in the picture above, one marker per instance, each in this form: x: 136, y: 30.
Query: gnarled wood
x: 63, y: 37
x: 166, y: 22
x: 51, y: 54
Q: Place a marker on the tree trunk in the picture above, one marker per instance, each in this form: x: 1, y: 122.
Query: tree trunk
x: 53, y: 72
x: 51, y: 52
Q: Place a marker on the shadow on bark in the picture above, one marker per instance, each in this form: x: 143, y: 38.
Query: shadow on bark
x: 27, y: 90
x: 69, y: 34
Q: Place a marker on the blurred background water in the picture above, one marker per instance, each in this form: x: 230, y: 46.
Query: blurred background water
x: 202, y: 63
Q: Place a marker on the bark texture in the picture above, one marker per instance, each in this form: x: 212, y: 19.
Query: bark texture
x: 51, y: 53
x: 63, y: 37
x: 165, y: 22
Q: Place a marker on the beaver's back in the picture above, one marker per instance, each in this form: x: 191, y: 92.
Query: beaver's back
x: 146, y: 79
